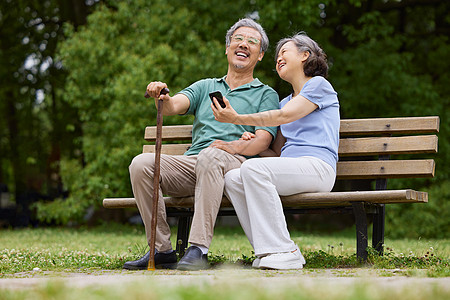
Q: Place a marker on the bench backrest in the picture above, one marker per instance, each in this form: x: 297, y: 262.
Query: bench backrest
x: 365, y: 146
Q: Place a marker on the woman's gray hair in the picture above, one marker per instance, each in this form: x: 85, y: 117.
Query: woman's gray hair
x: 316, y: 64
x: 247, y: 22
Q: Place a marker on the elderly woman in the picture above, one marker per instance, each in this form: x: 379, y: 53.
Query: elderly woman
x: 307, y: 143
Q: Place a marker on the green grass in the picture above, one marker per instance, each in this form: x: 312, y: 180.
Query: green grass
x: 89, y: 251
x: 109, y: 246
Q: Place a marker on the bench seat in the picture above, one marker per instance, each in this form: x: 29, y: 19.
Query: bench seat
x: 299, y: 200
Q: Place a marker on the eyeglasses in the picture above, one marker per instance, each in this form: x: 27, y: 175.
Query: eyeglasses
x: 240, y: 38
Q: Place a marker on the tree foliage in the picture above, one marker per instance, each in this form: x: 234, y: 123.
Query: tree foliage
x: 388, y: 58
x: 109, y: 69
x: 37, y: 128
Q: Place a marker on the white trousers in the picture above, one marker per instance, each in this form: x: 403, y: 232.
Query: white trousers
x: 254, y: 191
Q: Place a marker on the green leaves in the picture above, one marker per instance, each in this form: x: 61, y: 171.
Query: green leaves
x: 110, y: 62
x: 386, y: 60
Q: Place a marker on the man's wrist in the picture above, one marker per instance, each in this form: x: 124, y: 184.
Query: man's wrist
x: 241, y: 146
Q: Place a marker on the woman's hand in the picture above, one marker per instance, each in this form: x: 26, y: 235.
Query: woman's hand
x: 224, y: 115
x: 247, y: 136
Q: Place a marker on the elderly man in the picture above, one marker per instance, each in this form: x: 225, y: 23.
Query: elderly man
x: 201, y: 170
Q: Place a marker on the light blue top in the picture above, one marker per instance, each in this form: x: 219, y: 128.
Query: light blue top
x: 316, y: 134
x: 249, y: 98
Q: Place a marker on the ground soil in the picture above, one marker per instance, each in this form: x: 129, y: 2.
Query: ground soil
x: 268, y: 278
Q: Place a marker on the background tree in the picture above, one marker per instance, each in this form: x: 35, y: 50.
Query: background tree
x: 37, y: 128
x: 110, y: 63
x: 391, y: 58
x: 388, y: 58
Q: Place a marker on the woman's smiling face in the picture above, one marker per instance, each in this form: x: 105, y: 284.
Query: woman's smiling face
x: 289, y: 60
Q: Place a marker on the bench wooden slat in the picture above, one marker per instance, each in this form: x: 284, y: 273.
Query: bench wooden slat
x: 351, y: 169
x: 389, y: 126
x: 385, y: 169
x: 348, y: 127
x: 380, y: 197
x: 388, y: 145
x: 170, y: 133
x: 170, y: 149
x: 350, y: 146
x: 300, y: 200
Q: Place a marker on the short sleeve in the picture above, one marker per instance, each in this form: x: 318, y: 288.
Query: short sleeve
x: 195, y: 93
x: 319, y: 91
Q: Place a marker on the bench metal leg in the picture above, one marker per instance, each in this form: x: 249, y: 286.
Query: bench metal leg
x: 361, y: 230
x: 184, y: 224
x: 378, y: 229
x: 378, y: 217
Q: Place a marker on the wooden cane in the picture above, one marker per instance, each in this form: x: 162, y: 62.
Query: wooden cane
x: 159, y: 123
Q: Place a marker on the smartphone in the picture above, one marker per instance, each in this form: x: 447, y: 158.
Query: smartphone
x: 218, y: 96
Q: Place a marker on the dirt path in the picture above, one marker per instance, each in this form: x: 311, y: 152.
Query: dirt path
x: 266, y: 278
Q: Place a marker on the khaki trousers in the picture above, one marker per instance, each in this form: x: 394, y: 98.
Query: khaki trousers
x: 200, y: 175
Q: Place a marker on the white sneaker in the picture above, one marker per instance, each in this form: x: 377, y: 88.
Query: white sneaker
x: 283, y: 261
x: 256, y: 262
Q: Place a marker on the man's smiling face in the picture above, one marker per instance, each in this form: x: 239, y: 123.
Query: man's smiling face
x: 244, y: 49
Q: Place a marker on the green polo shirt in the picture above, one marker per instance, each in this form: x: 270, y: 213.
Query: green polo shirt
x: 249, y: 98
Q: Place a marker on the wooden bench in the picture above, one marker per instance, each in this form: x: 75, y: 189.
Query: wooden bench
x: 365, y: 151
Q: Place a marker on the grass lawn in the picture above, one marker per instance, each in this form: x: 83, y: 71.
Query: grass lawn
x: 109, y: 246
x: 85, y: 263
